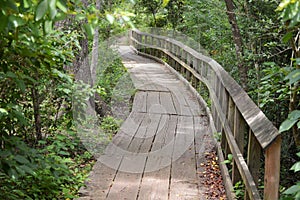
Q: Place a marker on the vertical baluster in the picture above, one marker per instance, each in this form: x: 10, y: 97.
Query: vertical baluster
x: 272, y: 170
x: 253, y: 158
x: 239, y: 134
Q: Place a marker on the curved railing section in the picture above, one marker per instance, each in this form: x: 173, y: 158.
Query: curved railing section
x: 246, y: 133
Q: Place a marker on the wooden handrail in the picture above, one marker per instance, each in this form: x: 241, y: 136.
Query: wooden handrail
x: 234, y: 114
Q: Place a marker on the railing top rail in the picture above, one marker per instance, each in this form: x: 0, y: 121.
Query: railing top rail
x: 261, y: 126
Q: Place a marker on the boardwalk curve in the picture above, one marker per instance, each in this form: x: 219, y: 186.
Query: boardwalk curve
x: 159, y: 148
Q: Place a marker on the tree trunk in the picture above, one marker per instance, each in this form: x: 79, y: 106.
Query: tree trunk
x: 237, y: 38
x: 36, y: 112
x: 294, y: 99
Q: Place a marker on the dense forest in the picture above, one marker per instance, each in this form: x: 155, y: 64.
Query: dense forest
x: 44, y: 43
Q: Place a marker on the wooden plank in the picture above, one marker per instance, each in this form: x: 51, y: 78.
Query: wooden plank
x: 105, y: 169
x: 272, y: 170
x: 167, y: 103
x: 127, y: 181
x: 181, y: 106
x: 238, y: 132
x: 184, y: 182
x: 193, y: 103
x: 253, y: 156
x: 140, y: 102
x: 114, y: 152
x: 153, y: 103
x: 155, y: 182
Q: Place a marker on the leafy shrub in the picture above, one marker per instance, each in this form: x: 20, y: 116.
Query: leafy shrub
x: 110, y: 125
x: 52, y: 172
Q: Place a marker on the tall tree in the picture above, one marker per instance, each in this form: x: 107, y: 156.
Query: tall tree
x: 237, y: 38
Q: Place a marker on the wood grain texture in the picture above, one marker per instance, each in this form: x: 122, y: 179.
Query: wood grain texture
x: 154, y: 154
x: 232, y: 120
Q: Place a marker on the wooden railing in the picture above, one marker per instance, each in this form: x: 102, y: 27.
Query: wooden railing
x: 245, y: 131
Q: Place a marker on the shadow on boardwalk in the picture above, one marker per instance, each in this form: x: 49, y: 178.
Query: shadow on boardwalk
x: 158, y: 151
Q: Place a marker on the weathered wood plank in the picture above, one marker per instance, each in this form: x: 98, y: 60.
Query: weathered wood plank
x: 155, y: 182
x: 238, y: 132
x: 193, y: 103
x: 181, y: 106
x: 140, y: 102
x: 167, y: 103
x: 105, y: 169
x: 127, y: 181
x: 153, y: 103
x: 253, y: 156
x: 272, y: 170
x: 184, y: 182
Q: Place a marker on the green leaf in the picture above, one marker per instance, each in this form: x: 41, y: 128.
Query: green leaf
x: 165, y: 3
x: 296, y: 167
x: 20, y: 83
x: 20, y: 171
x: 3, y: 111
x: 110, y: 18
x: 295, y: 115
x: 290, y: 121
x: 64, y: 153
x: 80, y: 17
x: 60, y: 16
x: 283, y: 5
x: 286, y: 38
x: 126, y: 18
x: 292, y: 190
x: 52, y: 8
x: 13, y: 174
x: 286, y: 125
x: 16, y: 21
x: 21, y: 159
x: 4, y: 21
x: 67, y: 91
x: 61, y: 4
x: 26, y: 4
x: 48, y: 26
x: 11, y: 4
x: 27, y: 169
x: 41, y: 10
x: 89, y: 30
x: 293, y: 77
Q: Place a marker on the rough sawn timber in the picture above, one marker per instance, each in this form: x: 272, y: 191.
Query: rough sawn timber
x: 159, y: 148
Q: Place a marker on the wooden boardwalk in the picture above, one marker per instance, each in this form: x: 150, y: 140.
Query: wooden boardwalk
x: 159, y: 148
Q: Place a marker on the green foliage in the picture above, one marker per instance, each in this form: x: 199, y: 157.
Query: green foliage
x: 52, y: 172
x: 239, y: 190
x: 175, y: 12
x: 292, y: 119
x: 110, y: 125
x: 293, y: 192
x: 290, y: 12
x: 108, y: 76
x: 273, y: 89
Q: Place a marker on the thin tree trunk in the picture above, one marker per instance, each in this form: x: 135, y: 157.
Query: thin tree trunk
x: 294, y: 99
x: 237, y: 38
x: 36, y: 112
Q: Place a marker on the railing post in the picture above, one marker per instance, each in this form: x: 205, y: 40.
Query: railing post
x: 272, y: 170
x: 253, y: 158
x: 239, y: 134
